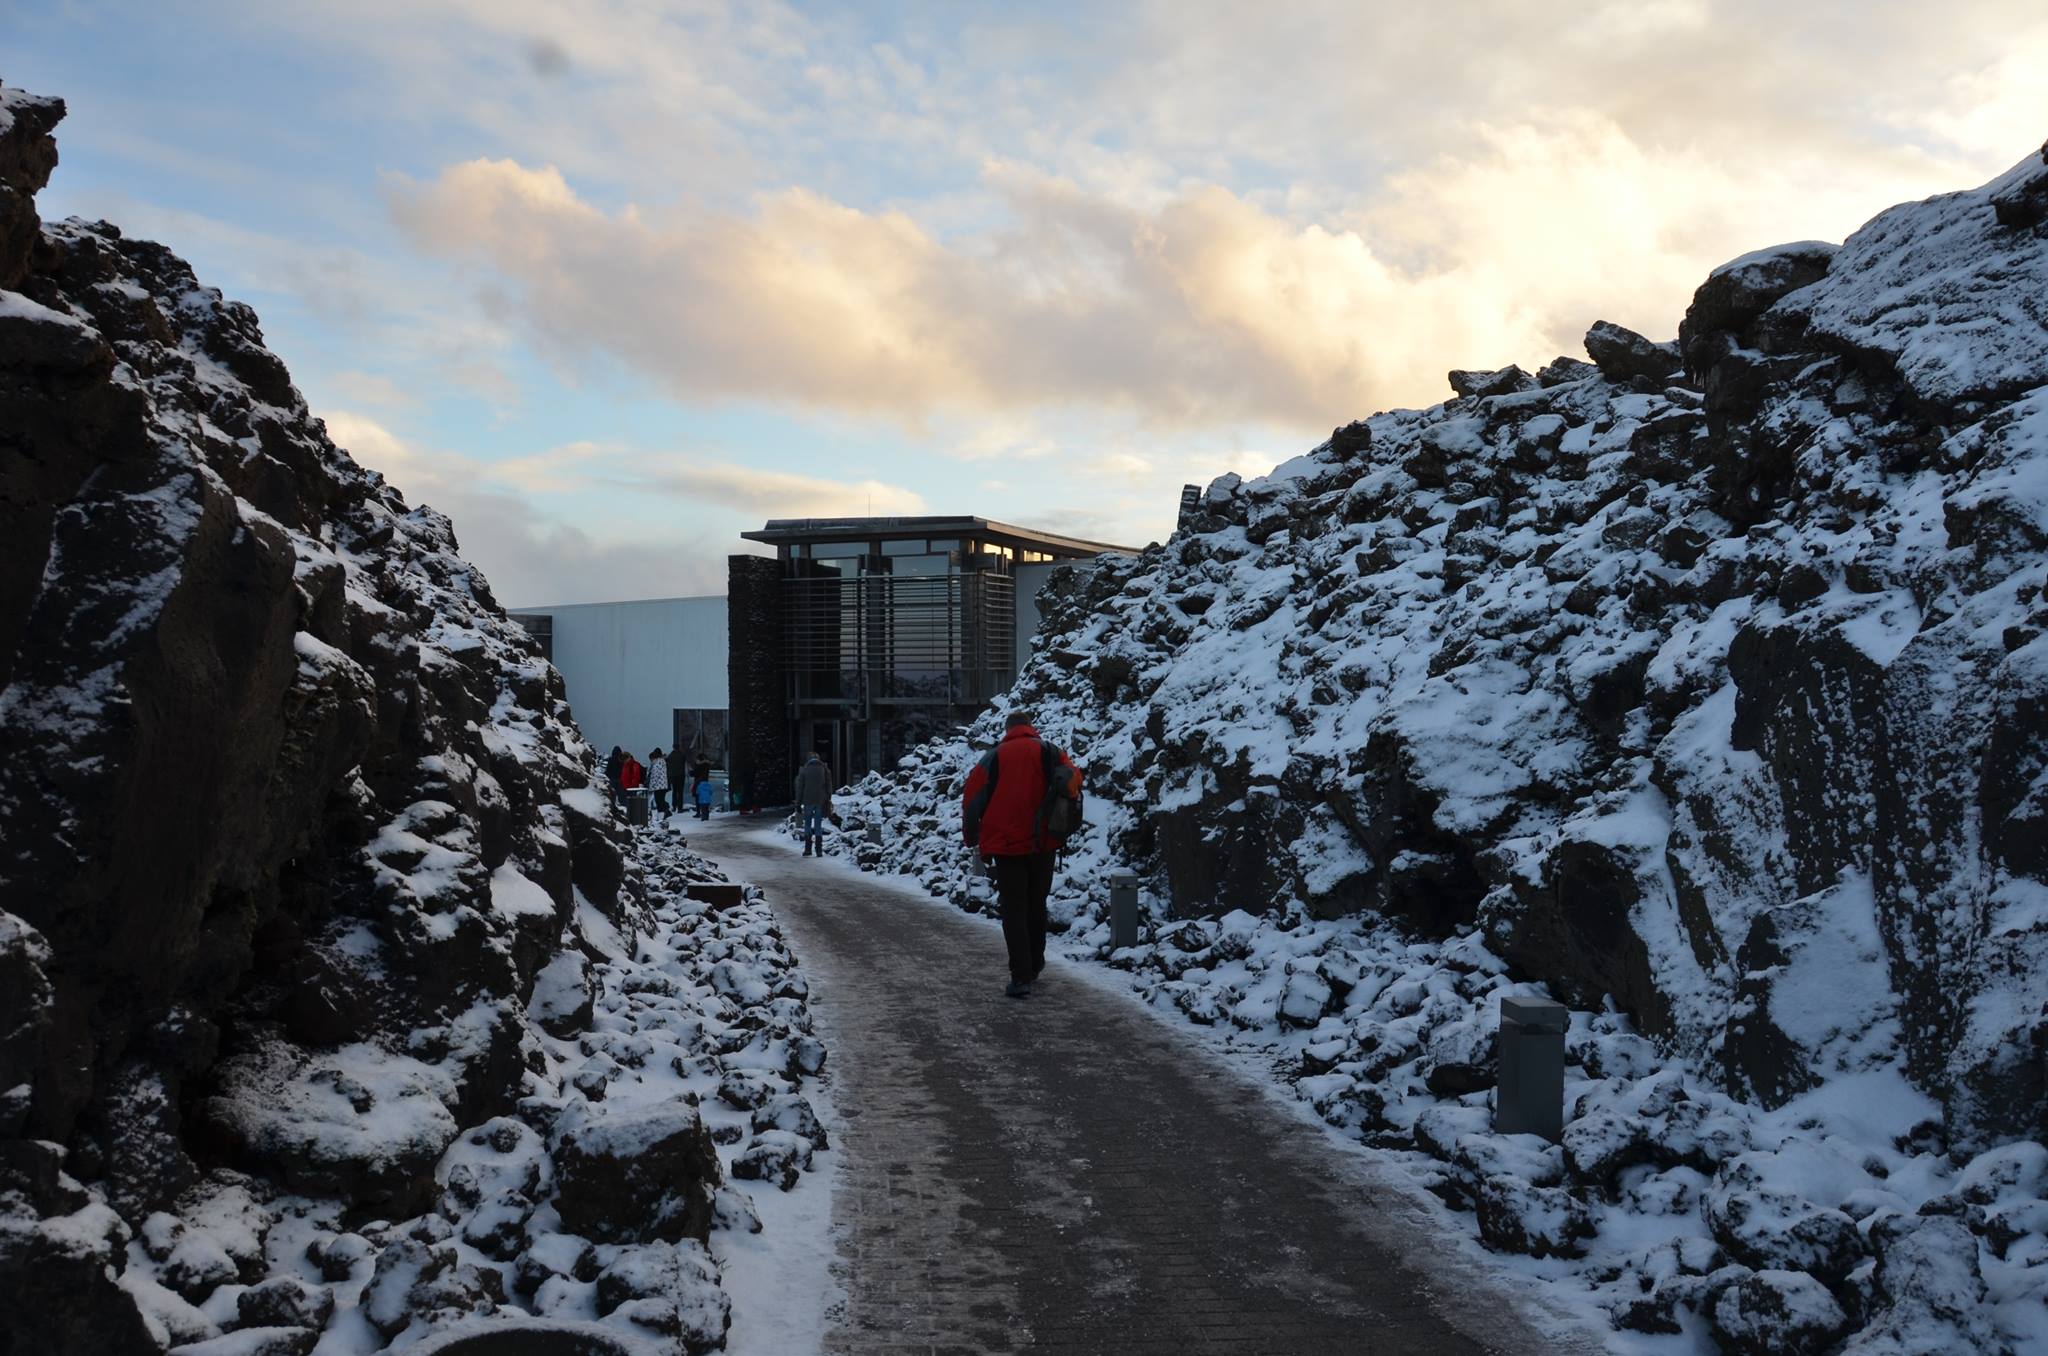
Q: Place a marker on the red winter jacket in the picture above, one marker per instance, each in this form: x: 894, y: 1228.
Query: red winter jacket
x: 630, y: 774
x: 1009, y: 818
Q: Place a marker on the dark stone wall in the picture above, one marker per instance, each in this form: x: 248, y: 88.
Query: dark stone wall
x: 245, y: 690
x: 760, y: 714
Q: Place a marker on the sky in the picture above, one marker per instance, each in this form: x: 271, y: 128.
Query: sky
x: 612, y: 281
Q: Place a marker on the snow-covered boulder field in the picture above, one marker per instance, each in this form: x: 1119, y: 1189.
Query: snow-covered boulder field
x: 335, y: 1012
x: 1702, y: 686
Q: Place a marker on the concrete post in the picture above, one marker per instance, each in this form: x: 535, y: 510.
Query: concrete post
x: 1123, y: 909
x: 1529, y: 1097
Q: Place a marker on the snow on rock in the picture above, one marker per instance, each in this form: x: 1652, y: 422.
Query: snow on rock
x: 1774, y: 1313
x: 591, y: 1211
x: 1704, y: 688
x: 634, y: 1173
x: 1945, y: 290
x: 335, y: 1009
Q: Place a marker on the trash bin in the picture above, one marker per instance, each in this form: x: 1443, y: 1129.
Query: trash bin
x: 1529, y: 1097
x: 1123, y: 909
x: 636, y: 807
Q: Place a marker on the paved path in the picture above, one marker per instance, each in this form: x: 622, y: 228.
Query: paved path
x: 1069, y: 1173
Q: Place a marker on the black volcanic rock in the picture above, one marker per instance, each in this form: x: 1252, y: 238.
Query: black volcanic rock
x: 1500, y: 381
x: 1695, y: 696
x: 292, y: 810
x: 1621, y: 353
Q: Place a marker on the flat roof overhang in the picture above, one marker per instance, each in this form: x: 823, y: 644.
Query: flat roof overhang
x: 790, y: 531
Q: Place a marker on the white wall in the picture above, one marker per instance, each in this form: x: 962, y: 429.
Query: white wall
x: 628, y: 666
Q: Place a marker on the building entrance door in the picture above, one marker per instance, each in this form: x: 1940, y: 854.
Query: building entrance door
x: 827, y: 739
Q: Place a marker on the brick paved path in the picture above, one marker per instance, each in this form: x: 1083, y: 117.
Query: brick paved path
x: 1070, y: 1174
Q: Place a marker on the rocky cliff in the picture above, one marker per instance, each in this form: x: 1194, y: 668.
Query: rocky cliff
x: 1703, y: 683
x: 293, y: 821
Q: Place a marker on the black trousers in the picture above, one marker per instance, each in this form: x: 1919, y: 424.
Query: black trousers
x: 661, y: 801
x: 1022, y: 883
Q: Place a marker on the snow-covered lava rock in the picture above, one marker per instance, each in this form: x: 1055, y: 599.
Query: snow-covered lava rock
x: 1704, y: 686
x: 334, y: 1009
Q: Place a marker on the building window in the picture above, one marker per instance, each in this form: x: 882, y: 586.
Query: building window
x: 841, y: 558
x: 541, y: 627
x: 703, y: 737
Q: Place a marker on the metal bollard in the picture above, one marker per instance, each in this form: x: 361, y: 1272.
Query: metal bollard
x: 1529, y: 1098
x: 1123, y: 909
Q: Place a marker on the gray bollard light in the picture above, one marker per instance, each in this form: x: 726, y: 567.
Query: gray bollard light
x: 1529, y: 1099
x: 1123, y: 909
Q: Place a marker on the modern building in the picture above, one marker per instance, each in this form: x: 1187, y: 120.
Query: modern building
x: 859, y: 638
x: 862, y: 637
x: 642, y: 675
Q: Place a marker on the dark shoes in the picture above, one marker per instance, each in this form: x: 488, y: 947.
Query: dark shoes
x: 1017, y: 990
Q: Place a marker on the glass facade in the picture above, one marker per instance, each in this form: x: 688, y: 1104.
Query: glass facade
x: 887, y: 633
x: 888, y: 641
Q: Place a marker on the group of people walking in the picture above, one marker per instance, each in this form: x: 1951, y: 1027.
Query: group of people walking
x: 658, y: 776
x: 1020, y: 803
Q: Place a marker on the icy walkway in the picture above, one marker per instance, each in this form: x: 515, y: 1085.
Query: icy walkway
x: 1069, y: 1174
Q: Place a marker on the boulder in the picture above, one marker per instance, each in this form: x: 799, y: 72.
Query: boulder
x: 1540, y: 1221
x: 671, y: 1288
x: 1621, y: 354
x: 773, y: 1156
x: 1500, y: 381
x: 28, y: 156
x: 1775, y: 1313
x: 1563, y: 370
x: 2022, y: 200
x: 1742, y: 289
x: 61, y: 1292
x: 792, y: 1112
x: 562, y: 995
x: 416, y: 1280
x: 1929, y: 1289
x: 285, y: 1302
x: 1773, y: 1229
x: 634, y: 1176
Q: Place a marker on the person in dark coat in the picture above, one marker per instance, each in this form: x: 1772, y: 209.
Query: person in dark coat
x: 678, y: 775
x: 813, y: 794
x: 613, y: 763
x: 1002, y: 819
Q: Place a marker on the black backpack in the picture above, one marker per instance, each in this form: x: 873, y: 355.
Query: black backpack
x: 1059, y: 816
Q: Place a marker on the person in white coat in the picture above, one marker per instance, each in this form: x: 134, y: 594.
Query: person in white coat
x: 657, y: 781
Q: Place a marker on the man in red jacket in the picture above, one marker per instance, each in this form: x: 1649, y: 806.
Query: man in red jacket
x: 1003, y: 817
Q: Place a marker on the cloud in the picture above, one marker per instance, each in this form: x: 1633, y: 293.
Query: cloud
x: 529, y: 559
x: 1195, y: 212
x: 779, y: 494
x: 373, y: 389
x: 1205, y: 307
x: 533, y: 556
x: 1094, y: 251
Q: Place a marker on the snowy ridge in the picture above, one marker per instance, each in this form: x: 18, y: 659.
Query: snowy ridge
x: 698, y: 1037
x: 1701, y: 686
x: 335, y: 1007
